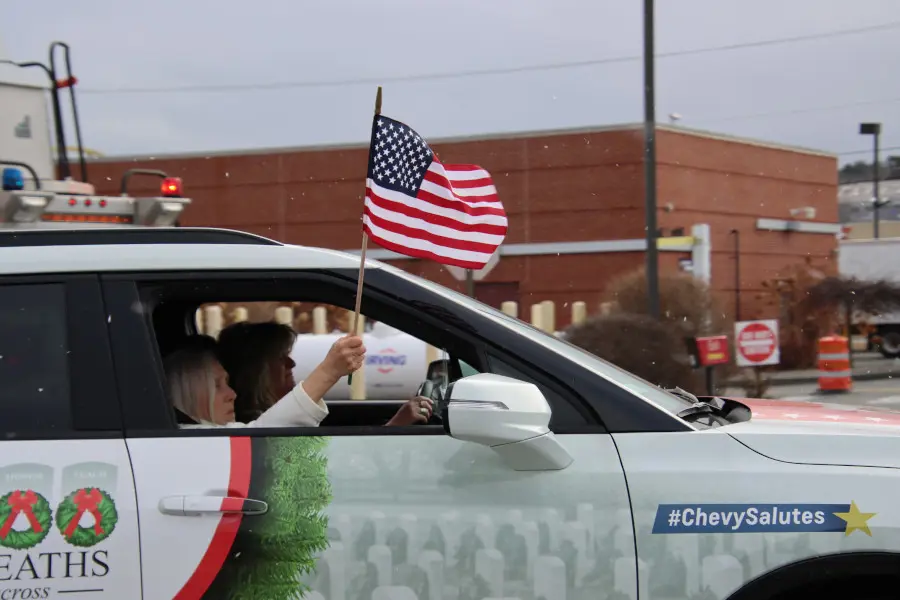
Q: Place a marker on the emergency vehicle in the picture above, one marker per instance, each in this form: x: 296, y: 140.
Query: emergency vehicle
x: 544, y: 473
x: 32, y: 194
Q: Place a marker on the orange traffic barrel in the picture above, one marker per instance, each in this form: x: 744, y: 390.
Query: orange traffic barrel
x: 834, y: 364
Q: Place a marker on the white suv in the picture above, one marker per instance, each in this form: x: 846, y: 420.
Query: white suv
x: 546, y: 474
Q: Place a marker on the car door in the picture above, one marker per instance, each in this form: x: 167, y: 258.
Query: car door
x: 363, y: 511
x: 68, y: 526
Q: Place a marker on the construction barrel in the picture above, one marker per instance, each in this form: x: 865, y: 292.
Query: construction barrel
x: 834, y: 364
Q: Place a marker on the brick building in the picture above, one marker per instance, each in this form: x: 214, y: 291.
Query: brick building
x: 575, y: 201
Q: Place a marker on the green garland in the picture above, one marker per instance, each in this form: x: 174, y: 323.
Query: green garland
x: 29, y: 501
x: 273, y: 551
x: 92, y: 500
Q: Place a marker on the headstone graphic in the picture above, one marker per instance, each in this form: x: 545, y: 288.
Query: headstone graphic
x: 90, y: 475
x: 27, y: 476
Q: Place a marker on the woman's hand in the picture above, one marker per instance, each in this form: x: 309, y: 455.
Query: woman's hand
x: 345, y: 356
x: 416, y: 410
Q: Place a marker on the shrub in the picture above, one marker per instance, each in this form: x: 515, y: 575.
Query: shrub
x: 684, y: 301
x: 650, y: 349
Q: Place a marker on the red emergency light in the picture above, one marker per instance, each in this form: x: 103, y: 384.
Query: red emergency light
x: 171, y: 187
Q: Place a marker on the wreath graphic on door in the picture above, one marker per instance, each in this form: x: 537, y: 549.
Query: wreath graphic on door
x: 92, y: 501
x: 34, y: 508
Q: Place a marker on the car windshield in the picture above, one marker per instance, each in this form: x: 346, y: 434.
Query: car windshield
x: 634, y: 384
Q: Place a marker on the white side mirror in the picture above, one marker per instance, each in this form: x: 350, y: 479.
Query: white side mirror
x: 510, y: 416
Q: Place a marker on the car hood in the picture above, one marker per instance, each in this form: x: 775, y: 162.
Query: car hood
x: 820, y: 433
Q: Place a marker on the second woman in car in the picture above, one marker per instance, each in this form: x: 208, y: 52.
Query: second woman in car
x: 257, y: 357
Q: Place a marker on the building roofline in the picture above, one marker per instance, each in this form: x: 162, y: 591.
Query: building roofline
x: 513, y: 135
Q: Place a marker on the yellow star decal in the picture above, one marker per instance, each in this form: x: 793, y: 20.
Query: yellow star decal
x: 856, y: 520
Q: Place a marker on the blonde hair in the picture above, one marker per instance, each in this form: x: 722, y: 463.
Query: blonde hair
x: 246, y: 351
x: 191, y: 379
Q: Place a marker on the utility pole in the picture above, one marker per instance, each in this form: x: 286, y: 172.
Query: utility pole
x: 652, y: 256
x: 874, y: 129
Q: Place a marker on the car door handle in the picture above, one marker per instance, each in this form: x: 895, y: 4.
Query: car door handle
x: 190, y: 506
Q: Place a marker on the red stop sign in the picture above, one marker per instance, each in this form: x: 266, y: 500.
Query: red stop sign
x: 756, y: 342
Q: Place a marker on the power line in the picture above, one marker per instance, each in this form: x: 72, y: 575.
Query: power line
x: 481, y: 72
x: 799, y: 111
x: 867, y: 151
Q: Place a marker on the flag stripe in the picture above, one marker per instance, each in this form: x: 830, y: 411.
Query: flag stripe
x: 427, y: 235
x: 424, y: 249
x: 437, y: 173
x: 442, y: 207
x: 493, y: 209
x: 442, y: 190
x: 472, y: 184
x: 422, y: 219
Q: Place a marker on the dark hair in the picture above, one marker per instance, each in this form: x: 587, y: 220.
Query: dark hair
x: 246, y: 350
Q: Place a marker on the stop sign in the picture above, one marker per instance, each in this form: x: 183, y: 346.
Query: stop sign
x: 757, y: 343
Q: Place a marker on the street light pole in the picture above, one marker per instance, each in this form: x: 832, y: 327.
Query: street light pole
x: 652, y: 256
x: 874, y: 129
x: 737, y: 274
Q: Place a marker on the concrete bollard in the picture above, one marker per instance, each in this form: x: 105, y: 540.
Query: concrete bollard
x: 548, y: 316
x: 510, y: 308
x: 358, y: 383
x: 432, y: 354
x: 537, y: 311
x: 579, y: 312
x: 212, y: 320
x: 284, y: 315
x: 320, y: 320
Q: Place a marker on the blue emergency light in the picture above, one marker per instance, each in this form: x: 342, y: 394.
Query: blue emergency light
x: 12, y: 179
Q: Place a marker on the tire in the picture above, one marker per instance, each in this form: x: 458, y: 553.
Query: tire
x: 857, y: 588
x: 890, y: 344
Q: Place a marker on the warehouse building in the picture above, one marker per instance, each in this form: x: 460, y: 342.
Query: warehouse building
x: 575, y: 201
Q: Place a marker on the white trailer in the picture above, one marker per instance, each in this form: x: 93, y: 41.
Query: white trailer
x: 874, y: 260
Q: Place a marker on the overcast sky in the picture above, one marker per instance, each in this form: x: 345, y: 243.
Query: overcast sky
x: 810, y: 93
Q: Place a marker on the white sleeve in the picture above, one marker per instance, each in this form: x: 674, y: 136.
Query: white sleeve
x: 296, y: 409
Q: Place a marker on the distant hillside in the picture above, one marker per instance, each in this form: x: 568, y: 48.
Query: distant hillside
x: 860, y: 171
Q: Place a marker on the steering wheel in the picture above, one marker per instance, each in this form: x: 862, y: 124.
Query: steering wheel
x: 434, y: 390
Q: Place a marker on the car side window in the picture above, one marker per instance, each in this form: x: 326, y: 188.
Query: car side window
x: 34, y: 358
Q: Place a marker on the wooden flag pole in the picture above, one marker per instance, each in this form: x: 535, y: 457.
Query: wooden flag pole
x: 362, y: 257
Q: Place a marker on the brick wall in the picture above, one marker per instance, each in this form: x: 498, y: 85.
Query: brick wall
x: 567, y: 186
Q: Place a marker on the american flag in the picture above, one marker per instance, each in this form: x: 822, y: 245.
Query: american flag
x: 417, y: 206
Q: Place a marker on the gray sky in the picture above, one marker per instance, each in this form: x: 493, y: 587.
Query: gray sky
x: 175, y: 43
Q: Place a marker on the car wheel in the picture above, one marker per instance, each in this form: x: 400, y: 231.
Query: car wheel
x: 890, y: 344
x: 857, y: 588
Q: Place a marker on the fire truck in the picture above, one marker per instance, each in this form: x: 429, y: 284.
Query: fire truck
x: 38, y: 187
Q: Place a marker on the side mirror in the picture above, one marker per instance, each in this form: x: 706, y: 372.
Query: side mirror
x: 510, y: 416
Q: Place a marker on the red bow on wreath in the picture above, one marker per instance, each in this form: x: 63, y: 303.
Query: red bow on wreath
x: 21, y: 503
x: 86, y: 500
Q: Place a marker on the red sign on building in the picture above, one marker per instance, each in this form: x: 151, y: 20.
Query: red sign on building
x: 712, y: 350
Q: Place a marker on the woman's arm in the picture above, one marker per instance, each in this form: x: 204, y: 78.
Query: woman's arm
x: 303, y: 406
x: 298, y: 408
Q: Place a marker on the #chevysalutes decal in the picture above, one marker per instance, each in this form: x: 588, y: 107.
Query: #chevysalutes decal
x: 757, y: 518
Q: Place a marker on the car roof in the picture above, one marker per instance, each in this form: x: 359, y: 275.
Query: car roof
x: 162, y: 249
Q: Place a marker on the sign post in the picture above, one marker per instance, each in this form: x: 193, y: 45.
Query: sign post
x: 712, y: 351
